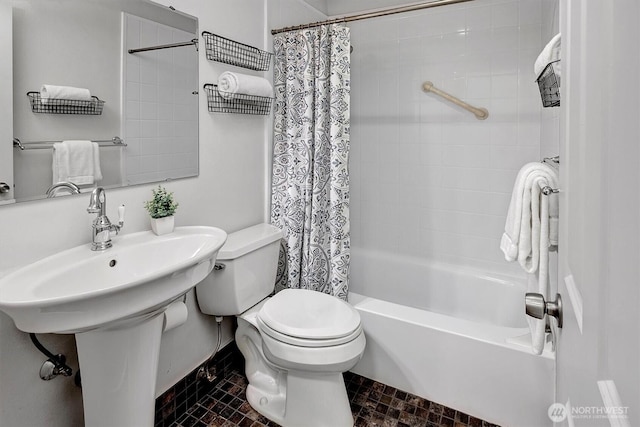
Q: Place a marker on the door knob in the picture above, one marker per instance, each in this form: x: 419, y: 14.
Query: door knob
x: 536, y: 306
x: 4, y: 187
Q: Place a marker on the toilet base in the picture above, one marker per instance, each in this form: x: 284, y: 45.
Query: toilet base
x: 312, y: 400
x: 291, y: 397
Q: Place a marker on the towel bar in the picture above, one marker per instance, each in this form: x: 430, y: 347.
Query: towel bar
x: 37, y: 145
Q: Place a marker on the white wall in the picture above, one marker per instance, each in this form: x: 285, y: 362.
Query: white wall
x: 428, y: 179
x: 229, y: 193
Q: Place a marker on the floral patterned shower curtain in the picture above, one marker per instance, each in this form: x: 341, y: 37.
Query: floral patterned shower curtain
x: 310, y: 182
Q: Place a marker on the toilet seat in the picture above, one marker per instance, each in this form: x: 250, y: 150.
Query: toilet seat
x: 307, y: 342
x: 307, y: 318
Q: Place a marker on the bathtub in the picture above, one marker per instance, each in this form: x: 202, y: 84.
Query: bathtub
x: 454, y: 336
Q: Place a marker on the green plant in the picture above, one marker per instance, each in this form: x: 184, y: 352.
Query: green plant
x: 162, y: 203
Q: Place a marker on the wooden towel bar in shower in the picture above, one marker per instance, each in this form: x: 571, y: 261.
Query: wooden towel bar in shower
x: 480, y: 113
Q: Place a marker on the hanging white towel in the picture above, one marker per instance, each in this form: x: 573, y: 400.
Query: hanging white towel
x: 77, y: 162
x: 527, y: 234
x: 49, y: 92
x: 516, y: 240
x: 230, y: 84
x: 550, y: 53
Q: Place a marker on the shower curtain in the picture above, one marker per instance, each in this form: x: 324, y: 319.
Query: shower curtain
x: 310, y: 181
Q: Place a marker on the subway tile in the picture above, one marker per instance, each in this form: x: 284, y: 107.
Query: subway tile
x: 132, y: 91
x: 463, y: 156
x: 478, y: 18
x: 479, y: 87
x: 432, y: 155
x: 148, y: 110
x: 504, y: 39
x: 505, y: 62
x: 530, y: 13
x: 466, y: 179
x: 504, y: 133
x: 504, y: 14
x: 530, y: 37
x: 504, y: 86
x: 148, y: 128
x: 479, y: 41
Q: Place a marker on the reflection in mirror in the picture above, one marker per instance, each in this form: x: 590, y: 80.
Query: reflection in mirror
x: 150, y: 97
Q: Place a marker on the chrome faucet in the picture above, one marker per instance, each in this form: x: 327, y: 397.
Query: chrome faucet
x: 51, y: 191
x: 102, y: 227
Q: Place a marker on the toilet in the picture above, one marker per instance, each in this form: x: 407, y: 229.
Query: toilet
x: 296, y: 343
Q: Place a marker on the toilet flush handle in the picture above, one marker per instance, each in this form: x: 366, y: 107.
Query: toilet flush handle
x: 219, y: 266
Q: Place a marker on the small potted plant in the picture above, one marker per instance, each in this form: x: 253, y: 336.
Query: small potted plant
x: 161, y: 209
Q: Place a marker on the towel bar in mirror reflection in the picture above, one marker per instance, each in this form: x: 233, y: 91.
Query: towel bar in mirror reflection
x: 38, y: 145
x: 154, y: 108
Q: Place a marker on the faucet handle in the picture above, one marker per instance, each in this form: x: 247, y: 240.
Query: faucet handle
x: 121, y: 215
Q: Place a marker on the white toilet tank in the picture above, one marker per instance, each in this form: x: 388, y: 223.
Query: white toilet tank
x: 250, y: 260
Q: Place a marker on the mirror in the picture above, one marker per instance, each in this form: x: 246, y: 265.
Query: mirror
x: 150, y: 98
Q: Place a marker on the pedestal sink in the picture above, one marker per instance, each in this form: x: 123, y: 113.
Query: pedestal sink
x: 113, y: 302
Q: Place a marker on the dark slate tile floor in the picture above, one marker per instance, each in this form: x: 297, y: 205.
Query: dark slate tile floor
x: 372, y: 403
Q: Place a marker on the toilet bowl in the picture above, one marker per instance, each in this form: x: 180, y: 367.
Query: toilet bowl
x: 296, y: 343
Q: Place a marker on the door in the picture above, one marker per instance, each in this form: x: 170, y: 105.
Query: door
x: 6, y: 104
x: 598, y: 358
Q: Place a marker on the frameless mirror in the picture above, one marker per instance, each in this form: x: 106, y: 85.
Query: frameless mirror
x: 150, y: 96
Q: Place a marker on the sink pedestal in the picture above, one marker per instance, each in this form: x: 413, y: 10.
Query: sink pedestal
x: 119, y: 368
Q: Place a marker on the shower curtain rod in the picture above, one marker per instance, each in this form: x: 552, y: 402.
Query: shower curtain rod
x: 368, y: 15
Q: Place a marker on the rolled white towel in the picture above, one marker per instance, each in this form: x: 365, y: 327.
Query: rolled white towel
x: 49, y: 92
x: 230, y: 84
x: 550, y: 53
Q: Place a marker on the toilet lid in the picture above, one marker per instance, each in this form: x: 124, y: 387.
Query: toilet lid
x: 311, y: 315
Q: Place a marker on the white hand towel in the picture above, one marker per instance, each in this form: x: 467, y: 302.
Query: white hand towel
x: 516, y: 240
x: 77, y: 162
x: 49, y: 92
x: 230, y: 84
x: 550, y: 53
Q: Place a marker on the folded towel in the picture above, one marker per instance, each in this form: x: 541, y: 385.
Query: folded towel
x: 49, y: 92
x: 77, y: 162
x: 516, y: 241
x: 550, y: 53
x: 230, y: 84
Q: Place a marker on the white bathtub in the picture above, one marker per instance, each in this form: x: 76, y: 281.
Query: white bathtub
x: 457, y: 337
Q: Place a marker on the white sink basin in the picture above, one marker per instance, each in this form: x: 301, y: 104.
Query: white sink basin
x: 79, y: 289
x: 114, y: 302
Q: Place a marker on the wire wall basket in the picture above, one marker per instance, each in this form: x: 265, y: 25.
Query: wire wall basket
x: 549, y: 85
x: 64, y: 106
x: 237, y: 103
x: 228, y: 51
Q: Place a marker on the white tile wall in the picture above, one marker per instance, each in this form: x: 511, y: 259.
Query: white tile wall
x: 428, y: 179
x: 161, y: 113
